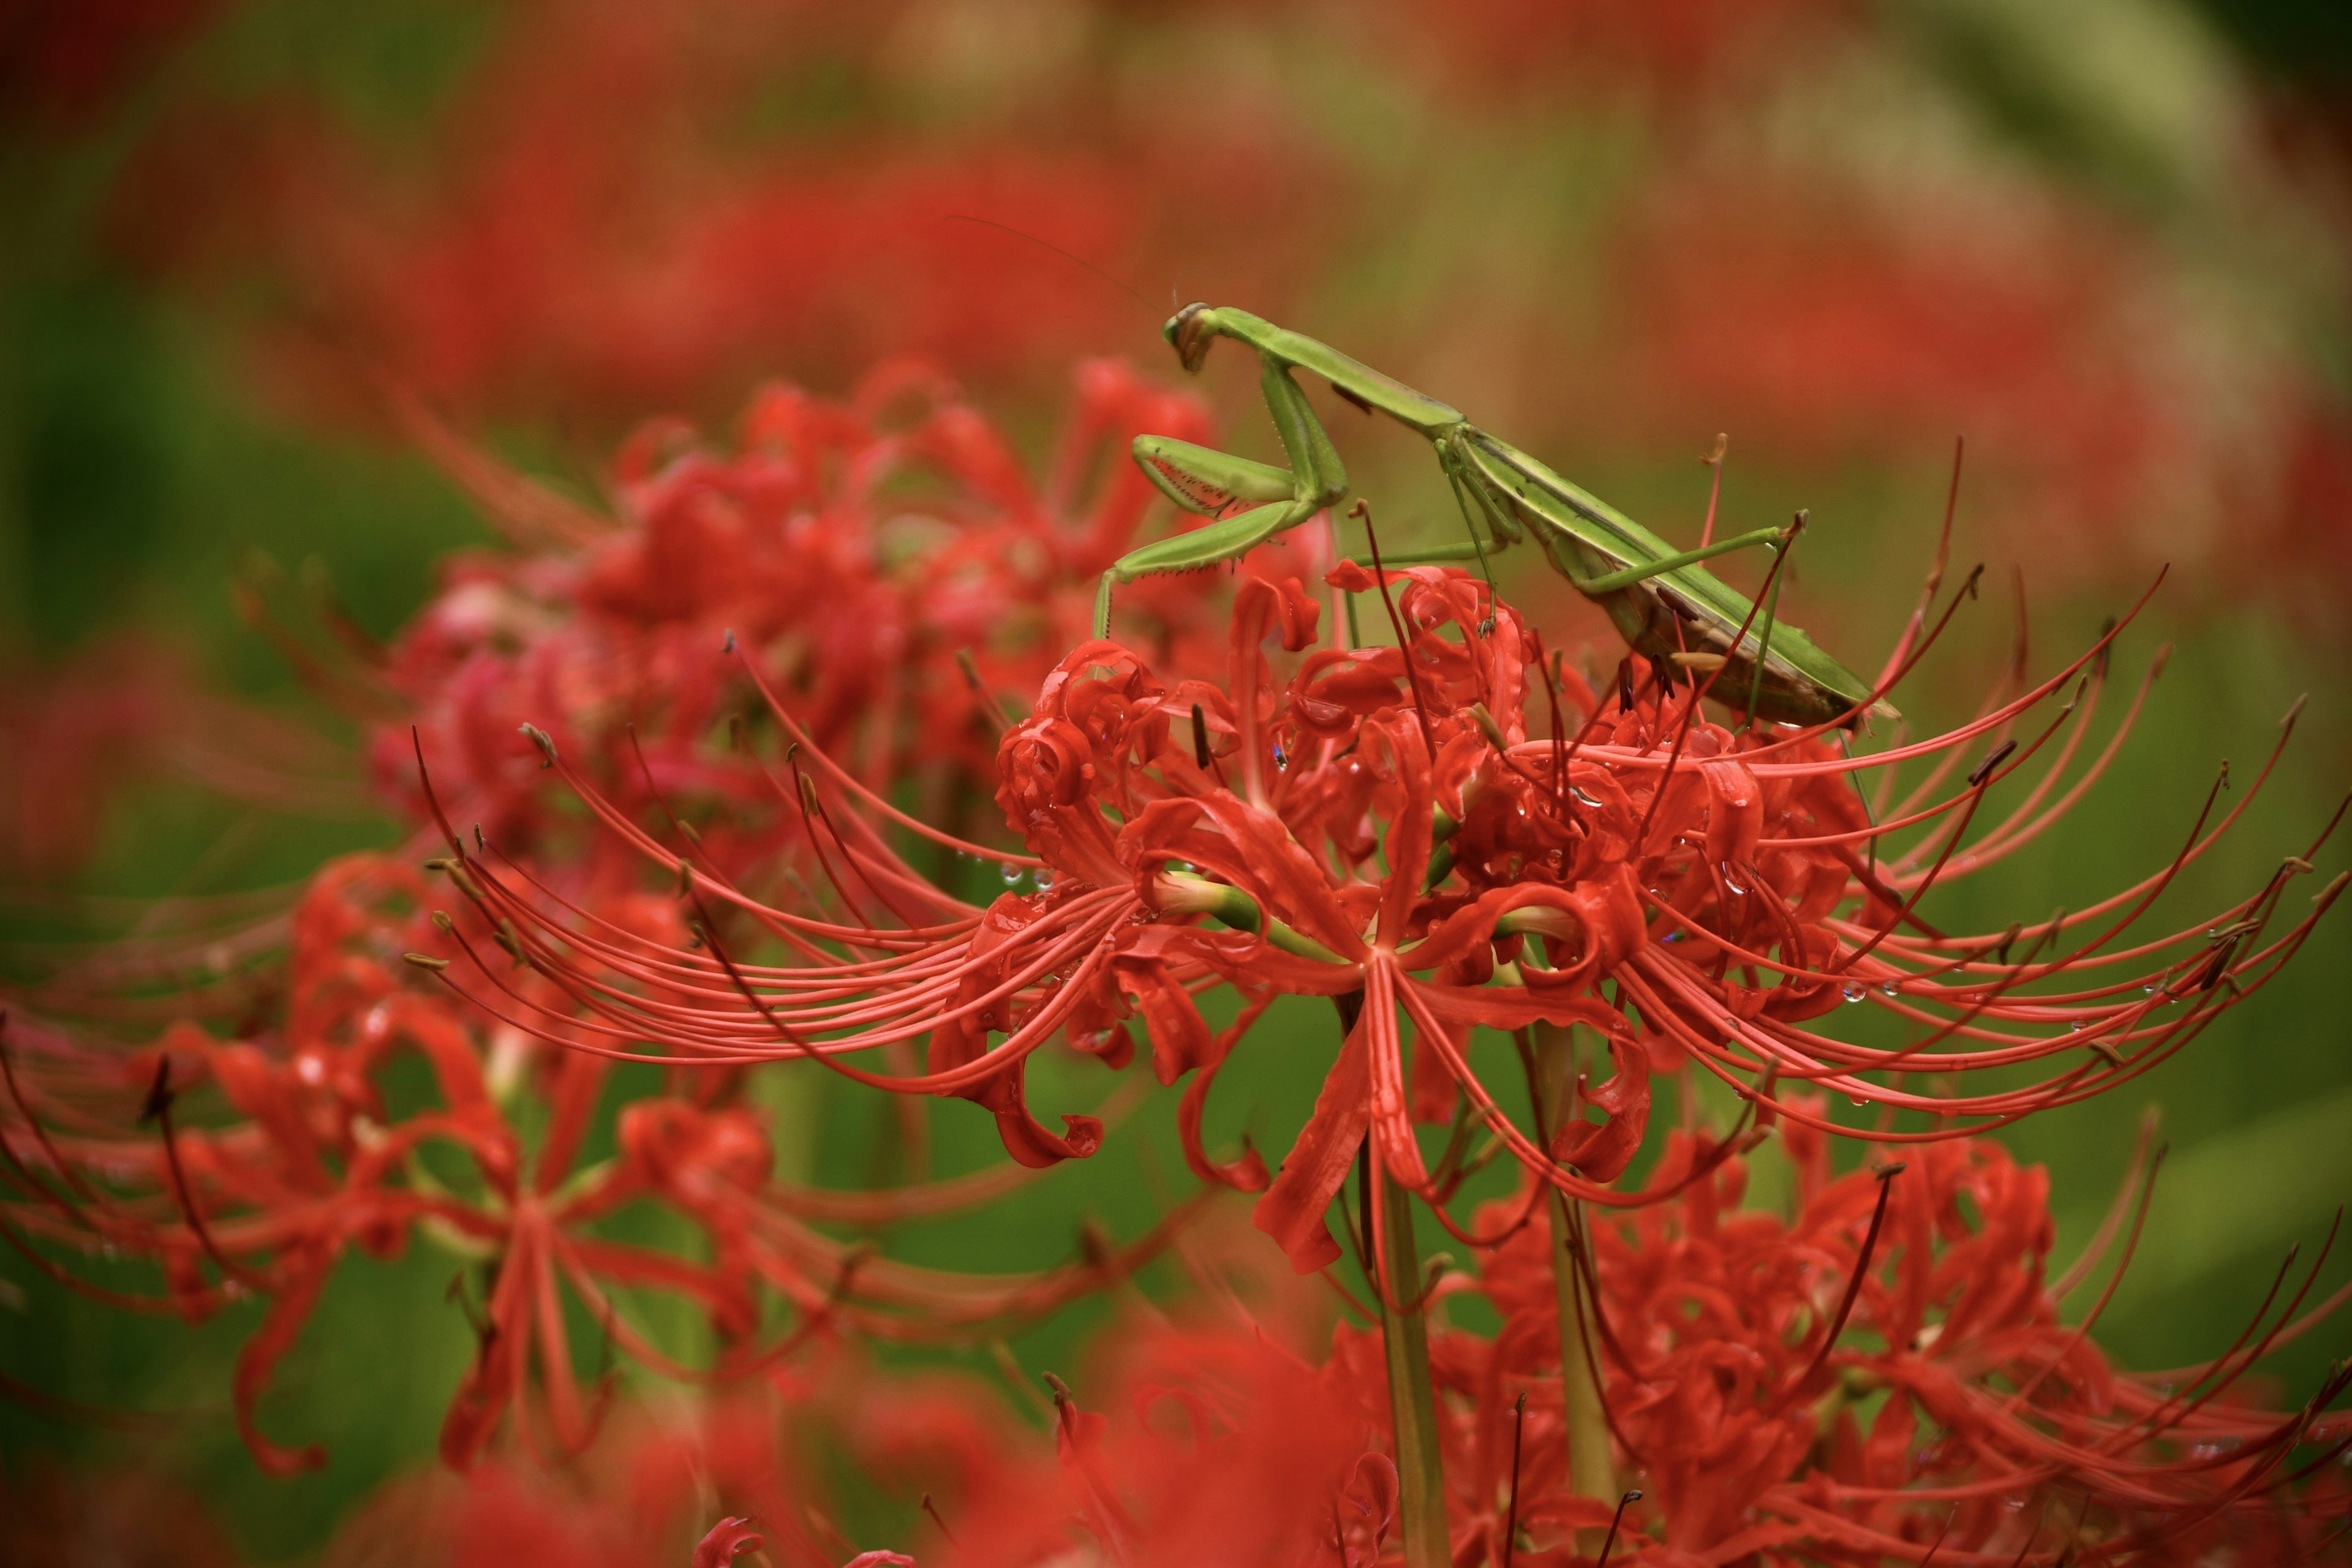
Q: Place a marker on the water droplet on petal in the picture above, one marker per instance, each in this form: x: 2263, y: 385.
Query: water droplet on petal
x: 1725, y: 869
x: 1045, y: 877
x: 1581, y: 798
x: 2150, y: 988
x: 1010, y: 872
x: 1281, y: 758
x: 2075, y: 1027
x: 1854, y: 993
x: 1892, y: 989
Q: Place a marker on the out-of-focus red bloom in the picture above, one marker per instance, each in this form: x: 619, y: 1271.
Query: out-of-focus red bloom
x: 71, y: 737
x: 63, y: 62
x: 133, y: 1517
x: 298, y: 1154
x: 1850, y: 1384
x: 660, y: 250
x: 1673, y: 47
x: 1827, y: 320
x: 1386, y: 826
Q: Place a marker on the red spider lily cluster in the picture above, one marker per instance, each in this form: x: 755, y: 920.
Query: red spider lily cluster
x: 890, y: 562
x: 887, y: 561
x: 1447, y: 833
x: 1379, y: 823
x: 1881, y: 1374
x: 250, y: 1167
x: 533, y: 258
x: 653, y: 250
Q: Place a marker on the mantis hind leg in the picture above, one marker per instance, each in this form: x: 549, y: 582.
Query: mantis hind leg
x: 1610, y: 582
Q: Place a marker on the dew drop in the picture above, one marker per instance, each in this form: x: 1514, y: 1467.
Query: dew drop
x: 1854, y: 993
x: 1045, y: 877
x: 1892, y: 989
x: 2150, y: 988
x: 1281, y: 758
x: 2075, y: 1027
x: 1853, y: 1099
x: 1581, y: 798
x: 1010, y: 872
x: 1725, y: 869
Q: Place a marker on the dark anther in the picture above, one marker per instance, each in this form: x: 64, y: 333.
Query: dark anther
x: 1511, y: 1517
x: 1885, y: 1175
x: 1065, y: 1408
x: 1615, y: 1520
x: 1983, y: 770
x: 2220, y: 964
x: 157, y: 1102
x: 1200, y: 738
x: 932, y: 1509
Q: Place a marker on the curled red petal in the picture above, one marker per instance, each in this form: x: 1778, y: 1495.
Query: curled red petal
x: 1293, y: 1208
x: 730, y: 1538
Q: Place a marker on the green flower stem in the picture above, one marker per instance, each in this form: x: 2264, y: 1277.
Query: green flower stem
x: 1590, y: 1472
x: 1404, y: 1337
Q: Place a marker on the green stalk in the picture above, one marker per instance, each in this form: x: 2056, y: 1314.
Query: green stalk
x: 1404, y: 1337
x: 1590, y: 1473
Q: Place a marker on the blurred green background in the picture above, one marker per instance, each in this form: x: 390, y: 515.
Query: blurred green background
x: 2107, y: 240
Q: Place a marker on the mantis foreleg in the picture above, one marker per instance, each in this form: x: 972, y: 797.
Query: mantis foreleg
x: 1213, y: 483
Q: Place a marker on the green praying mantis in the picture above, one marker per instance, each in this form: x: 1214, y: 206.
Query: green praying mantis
x: 1660, y: 600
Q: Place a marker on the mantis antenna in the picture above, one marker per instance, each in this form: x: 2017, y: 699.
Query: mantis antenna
x: 1118, y: 283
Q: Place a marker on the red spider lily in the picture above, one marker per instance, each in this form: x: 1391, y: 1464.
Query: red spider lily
x: 305, y: 1157
x: 1382, y: 825
x: 886, y: 560
x: 1883, y: 1375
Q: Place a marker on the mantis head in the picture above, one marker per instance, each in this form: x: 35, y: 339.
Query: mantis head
x: 1189, y: 334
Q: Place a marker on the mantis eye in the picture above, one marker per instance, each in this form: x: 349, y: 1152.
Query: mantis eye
x: 1189, y: 336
